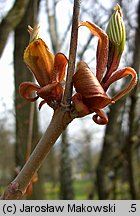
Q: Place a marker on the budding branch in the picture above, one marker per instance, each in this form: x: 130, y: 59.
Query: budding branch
x: 61, y: 118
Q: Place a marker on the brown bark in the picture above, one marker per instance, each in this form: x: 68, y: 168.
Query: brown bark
x: 72, y: 54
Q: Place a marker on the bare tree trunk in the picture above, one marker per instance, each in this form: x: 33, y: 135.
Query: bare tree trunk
x: 65, y: 169
x: 22, y: 73
x: 12, y: 19
x: 66, y: 182
x: 111, y: 141
x: 51, y: 14
x: 133, y: 121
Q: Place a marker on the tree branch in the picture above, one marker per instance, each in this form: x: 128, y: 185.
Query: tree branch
x: 59, y: 122
x: 11, y: 21
x: 72, y: 54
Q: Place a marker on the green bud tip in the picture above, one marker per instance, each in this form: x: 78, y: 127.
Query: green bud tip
x: 116, y: 29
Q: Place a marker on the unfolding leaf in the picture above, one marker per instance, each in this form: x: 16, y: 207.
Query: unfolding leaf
x: 102, y: 50
x: 26, y: 89
x: 118, y: 75
x: 52, y: 91
x: 85, y: 83
x: 59, y: 69
x: 40, y: 60
x: 80, y: 107
x: 100, y: 117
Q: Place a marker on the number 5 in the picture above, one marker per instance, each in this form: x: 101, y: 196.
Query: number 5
x: 133, y: 207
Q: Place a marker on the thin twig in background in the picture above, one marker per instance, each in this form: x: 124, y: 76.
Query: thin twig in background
x: 30, y: 131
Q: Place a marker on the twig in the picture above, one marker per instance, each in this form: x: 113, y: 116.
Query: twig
x: 72, y: 54
x: 61, y: 118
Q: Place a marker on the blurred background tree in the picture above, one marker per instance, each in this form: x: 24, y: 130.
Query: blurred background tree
x: 89, y: 161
